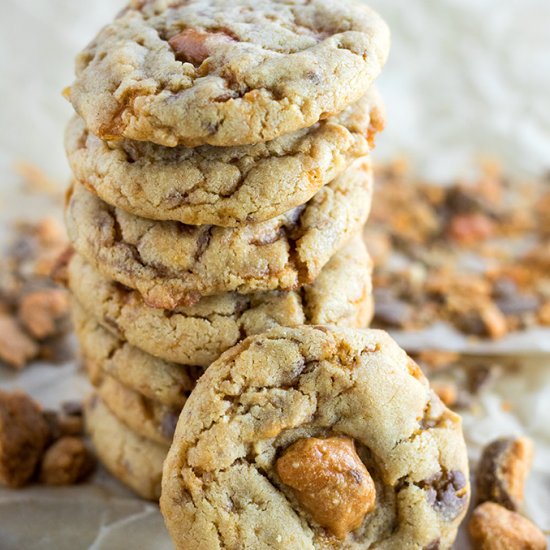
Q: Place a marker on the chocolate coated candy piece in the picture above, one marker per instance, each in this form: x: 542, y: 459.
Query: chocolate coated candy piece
x: 502, y: 471
x: 493, y: 527
x: 447, y: 493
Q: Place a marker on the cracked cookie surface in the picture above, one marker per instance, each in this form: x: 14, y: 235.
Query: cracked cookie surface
x: 145, y: 417
x: 106, y: 355
x: 172, y: 264
x: 129, y: 381
x: 198, y: 334
x: 226, y: 73
x: 279, y: 394
x: 134, y: 460
x: 224, y: 186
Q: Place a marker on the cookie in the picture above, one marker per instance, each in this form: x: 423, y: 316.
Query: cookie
x: 143, y: 416
x: 172, y: 264
x: 197, y: 335
x: 130, y: 381
x: 315, y: 437
x: 132, y: 459
x: 226, y: 73
x: 224, y: 186
x: 106, y: 355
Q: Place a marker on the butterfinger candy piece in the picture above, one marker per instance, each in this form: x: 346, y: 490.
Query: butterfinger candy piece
x: 330, y: 481
x: 194, y: 46
x: 493, y: 527
x: 16, y: 348
x: 502, y: 472
x: 45, y: 313
x: 23, y: 436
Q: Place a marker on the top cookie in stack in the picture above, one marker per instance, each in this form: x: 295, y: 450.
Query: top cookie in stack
x: 226, y: 73
x: 278, y: 88
x: 222, y: 174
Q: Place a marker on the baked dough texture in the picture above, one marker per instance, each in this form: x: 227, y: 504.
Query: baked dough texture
x: 172, y: 264
x: 145, y: 417
x: 225, y: 186
x: 197, y: 335
x: 105, y: 355
x: 134, y: 460
x: 226, y: 73
x: 220, y: 487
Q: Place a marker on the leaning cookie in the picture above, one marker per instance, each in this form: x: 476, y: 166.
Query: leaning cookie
x: 319, y: 438
x: 226, y: 73
x: 172, y: 264
x: 199, y: 334
x: 132, y: 459
x: 225, y: 186
x: 105, y: 355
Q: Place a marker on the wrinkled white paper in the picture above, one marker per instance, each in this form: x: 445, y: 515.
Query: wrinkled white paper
x: 464, y: 78
x: 442, y: 336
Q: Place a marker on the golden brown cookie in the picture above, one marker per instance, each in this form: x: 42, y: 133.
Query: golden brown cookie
x: 198, y: 334
x: 145, y: 417
x: 172, y: 264
x: 225, y: 186
x: 106, y: 355
x: 317, y: 438
x: 226, y: 73
x: 134, y: 460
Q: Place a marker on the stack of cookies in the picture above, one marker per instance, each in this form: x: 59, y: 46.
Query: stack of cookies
x: 221, y: 181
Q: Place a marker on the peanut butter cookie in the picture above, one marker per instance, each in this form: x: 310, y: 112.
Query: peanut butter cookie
x: 318, y: 438
x: 134, y: 460
x: 172, y: 264
x: 106, y: 355
x: 198, y: 334
x: 140, y: 414
x: 225, y: 186
x: 226, y: 73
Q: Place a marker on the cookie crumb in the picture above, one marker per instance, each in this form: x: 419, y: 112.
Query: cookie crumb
x: 42, y: 312
x: 16, y: 347
x: 23, y: 437
x: 447, y: 252
x: 62, y: 424
x: 34, y: 310
x: 66, y: 462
